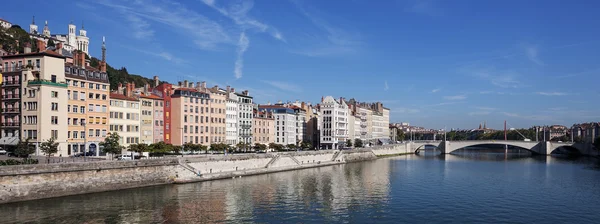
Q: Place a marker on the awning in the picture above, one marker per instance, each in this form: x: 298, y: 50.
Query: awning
x: 9, y: 141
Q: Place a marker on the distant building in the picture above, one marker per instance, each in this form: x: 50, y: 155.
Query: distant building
x: 264, y: 127
x: 333, y: 123
x: 5, y: 24
x: 231, y: 119
x: 70, y: 41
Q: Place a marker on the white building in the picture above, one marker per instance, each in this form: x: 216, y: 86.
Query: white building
x: 333, y: 121
x: 245, y: 110
x: 285, y: 123
x: 231, y: 120
x: 5, y: 24
x: 125, y: 118
x: 71, y: 41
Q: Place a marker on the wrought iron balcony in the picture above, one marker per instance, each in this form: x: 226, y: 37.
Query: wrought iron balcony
x: 11, y: 110
x: 11, y: 124
x: 11, y: 96
x: 11, y: 83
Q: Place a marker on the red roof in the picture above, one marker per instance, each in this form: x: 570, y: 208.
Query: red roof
x: 150, y: 96
x: 187, y: 89
x: 121, y: 97
x: 46, y: 52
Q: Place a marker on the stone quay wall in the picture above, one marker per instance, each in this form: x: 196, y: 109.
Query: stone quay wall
x: 29, y: 182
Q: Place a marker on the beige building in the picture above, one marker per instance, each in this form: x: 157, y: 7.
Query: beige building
x: 44, y: 98
x: 147, y: 120
x: 264, y: 127
x: 190, y: 120
x: 88, y: 100
x: 125, y: 115
x: 218, y: 99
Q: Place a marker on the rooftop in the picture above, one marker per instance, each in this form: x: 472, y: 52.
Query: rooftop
x: 119, y: 96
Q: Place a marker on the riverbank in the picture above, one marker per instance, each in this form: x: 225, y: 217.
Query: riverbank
x: 30, y: 182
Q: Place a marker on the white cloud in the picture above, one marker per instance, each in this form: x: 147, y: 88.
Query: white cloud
x: 385, y: 86
x: 238, y: 13
x: 457, y: 97
x: 479, y: 113
x: 435, y: 90
x: 552, y: 93
x: 283, y: 85
x: 485, y: 108
x: 333, y: 41
x: 205, y: 33
x: 141, y: 28
x: 243, y: 45
x: 532, y: 55
x: 504, y: 79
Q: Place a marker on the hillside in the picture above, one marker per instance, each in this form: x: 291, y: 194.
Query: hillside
x: 121, y: 75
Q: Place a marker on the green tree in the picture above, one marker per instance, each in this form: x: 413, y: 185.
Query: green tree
x: 260, y: 147
x: 358, y: 143
x: 305, y: 145
x: 139, y: 148
x: 51, y: 43
x: 189, y: 146
x: 49, y: 147
x: 111, y: 143
x: 349, y: 143
x: 400, y: 135
x: 176, y: 149
x: 24, y: 148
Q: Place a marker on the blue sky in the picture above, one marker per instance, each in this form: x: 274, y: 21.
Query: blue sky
x: 437, y: 64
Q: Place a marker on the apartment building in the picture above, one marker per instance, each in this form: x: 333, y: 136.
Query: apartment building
x: 231, y: 120
x: 333, y: 122
x: 263, y: 127
x: 301, y: 133
x: 218, y: 107
x: 147, y: 119
x: 164, y: 91
x: 190, y: 120
x: 125, y: 115
x: 245, y: 108
x: 88, y: 95
x: 36, y: 83
x: 285, y: 123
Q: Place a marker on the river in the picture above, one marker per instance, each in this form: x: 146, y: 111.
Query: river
x: 426, y: 188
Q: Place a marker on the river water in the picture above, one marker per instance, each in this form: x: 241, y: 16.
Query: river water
x: 427, y: 188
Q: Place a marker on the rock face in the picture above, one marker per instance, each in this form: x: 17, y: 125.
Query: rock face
x: 29, y: 182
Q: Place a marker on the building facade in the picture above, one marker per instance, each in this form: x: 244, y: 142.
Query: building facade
x: 263, y: 127
x: 190, y: 120
x: 333, y: 123
x: 231, y: 120
x: 218, y: 100
x: 245, y: 107
x: 71, y: 41
x: 125, y: 116
x: 88, y: 97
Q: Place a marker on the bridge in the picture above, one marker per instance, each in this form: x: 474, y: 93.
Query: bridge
x: 543, y: 148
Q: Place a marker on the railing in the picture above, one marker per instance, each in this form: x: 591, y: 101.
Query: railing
x: 11, y: 110
x: 11, y: 96
x: 11, y: 124
x: 245, y: 126
x: 11, y: 83
x: 47, y: 82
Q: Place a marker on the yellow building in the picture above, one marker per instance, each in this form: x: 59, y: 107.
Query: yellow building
x: 218, y: 99
x: 88, y: 96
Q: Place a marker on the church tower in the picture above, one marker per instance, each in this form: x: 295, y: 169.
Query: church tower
x: 103, y: 62
x: 82, y: 40
x: 71, y: 37
x: 33, y: 29
x: 46, y: 30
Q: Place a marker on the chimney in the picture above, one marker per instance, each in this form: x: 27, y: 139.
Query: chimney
x: 198, y: 85
x: 156, y: 81
x: 82, y: 59
x: 179, y: 84
x: 322, y: 99
x: 228, y: 89
x: 27, y: 48
x: 233, y: 90
x: 146, y: 88
x: 41, y: 45
x: 185, y: 83
x: 59, y: 48
x: 120, y: 88
x: 129, y: 89
x: 246, y: 93
x: 203, y: 85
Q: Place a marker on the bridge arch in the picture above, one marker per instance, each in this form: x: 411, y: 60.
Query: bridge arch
x: 422, y: 146
x: 529, y: 146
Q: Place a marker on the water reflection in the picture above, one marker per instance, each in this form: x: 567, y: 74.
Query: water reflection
x: 387, y: 190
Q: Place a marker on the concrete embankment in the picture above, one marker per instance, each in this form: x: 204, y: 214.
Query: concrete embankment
x: 29, y: 182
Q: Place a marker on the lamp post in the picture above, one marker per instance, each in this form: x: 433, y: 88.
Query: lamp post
x: 85, y: 141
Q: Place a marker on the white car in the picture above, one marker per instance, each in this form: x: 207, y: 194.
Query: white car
x: 124, y: 157
x: 3, y: 152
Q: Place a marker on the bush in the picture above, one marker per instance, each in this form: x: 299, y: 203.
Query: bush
x: 11, y: 162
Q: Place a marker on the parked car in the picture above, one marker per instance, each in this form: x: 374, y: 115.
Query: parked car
x: 3, y: 152
x: 12, y: 154
x: 124, y: 157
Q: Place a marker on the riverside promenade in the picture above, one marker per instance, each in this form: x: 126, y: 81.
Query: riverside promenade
x: 30, y: 182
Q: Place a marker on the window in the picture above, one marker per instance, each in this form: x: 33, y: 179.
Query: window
x: 82, y: 109
x: 53, y: 78
x: 55, y: 106
x: 91, y: 107
x: 103, y: 96
x: 91, y: 132
x: 54, y: 94
x: 91, y: 95
x: 54, y: 134
x: 75, y: 94
x: 54, y: 120
x: 91, y: 85
x: 82, y: 96
x: 97, y: 86
x: 82, y: 84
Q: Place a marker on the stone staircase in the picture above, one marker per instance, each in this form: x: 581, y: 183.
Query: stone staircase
x: 336, y: 155
x: 275, y: 158
x: 190, y: 168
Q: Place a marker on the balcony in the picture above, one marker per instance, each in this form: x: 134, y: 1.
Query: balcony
x: 11, y: 83
x: 245, y: 135
x: 47, y: 82
x: 11, y: 124
x: 245, y: 126
x: 11, y: 96
x: 11, y: 110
